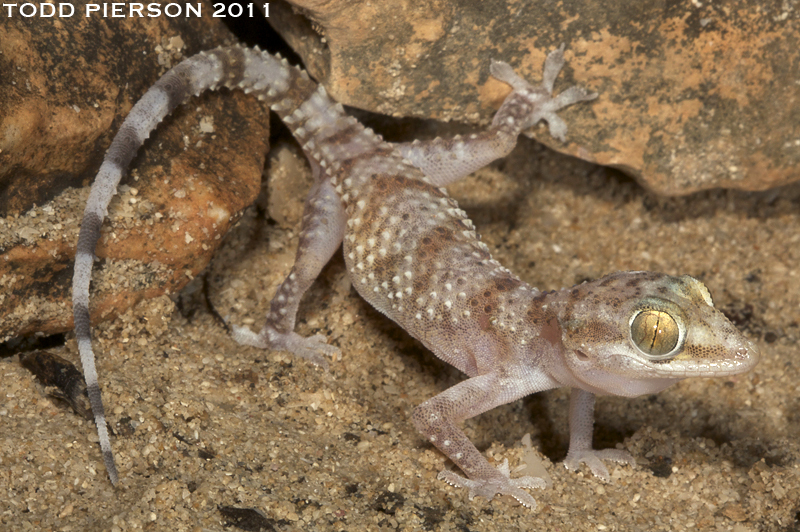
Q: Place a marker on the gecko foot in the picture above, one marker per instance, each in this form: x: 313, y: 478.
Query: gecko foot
x: 501, y: 484
x: 543, y: 104
x: 594, y: 459
x: 315, y: 348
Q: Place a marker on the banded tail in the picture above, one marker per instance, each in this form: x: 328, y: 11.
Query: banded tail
x: 284, y: 88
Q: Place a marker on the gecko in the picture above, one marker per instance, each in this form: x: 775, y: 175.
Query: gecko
x: 415, y: 256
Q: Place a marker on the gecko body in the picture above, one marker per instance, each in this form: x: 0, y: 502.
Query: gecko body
x: 414, y: 255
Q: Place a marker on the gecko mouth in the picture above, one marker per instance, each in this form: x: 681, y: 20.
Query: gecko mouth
x: 740, y: 360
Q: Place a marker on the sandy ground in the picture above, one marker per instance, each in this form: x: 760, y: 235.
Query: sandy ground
x: 203, y: 423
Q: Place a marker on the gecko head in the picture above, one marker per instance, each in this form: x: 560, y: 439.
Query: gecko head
x: 638, y: 332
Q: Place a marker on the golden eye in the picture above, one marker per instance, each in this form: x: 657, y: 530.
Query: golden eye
x: 655, y: 332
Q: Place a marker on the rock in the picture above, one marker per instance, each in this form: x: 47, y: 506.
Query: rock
x: 692, y: 95
x: 72, y: 82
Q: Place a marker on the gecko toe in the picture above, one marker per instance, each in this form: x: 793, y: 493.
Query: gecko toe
x: 594, y: 459
x: 499, y: 484
x: 315, y: 348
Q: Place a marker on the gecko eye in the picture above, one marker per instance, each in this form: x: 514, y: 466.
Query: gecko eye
x: 656, y: 333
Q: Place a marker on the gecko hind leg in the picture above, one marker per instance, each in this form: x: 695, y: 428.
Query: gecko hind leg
x: 321, y: 234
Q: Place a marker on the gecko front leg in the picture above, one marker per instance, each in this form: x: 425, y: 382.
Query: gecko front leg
x: 581, y: 423
x: 437, y: 419
x: 496, y: 379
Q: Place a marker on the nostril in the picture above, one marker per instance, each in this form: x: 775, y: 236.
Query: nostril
x: 581, y: 355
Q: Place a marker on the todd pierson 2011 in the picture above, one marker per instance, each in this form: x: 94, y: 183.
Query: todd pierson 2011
x: 131, y: 10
